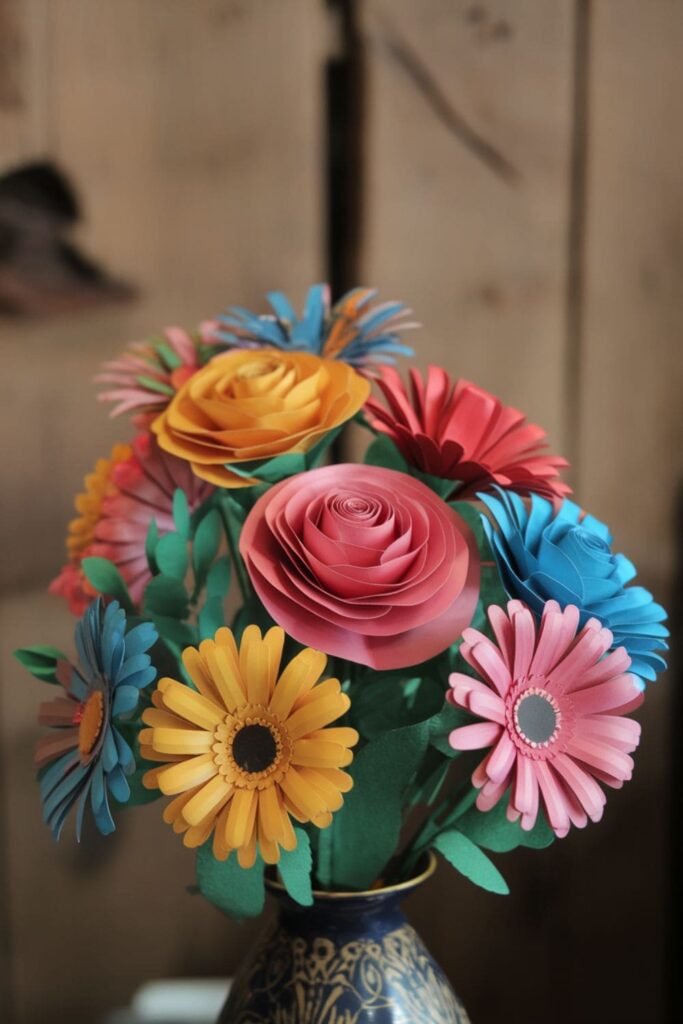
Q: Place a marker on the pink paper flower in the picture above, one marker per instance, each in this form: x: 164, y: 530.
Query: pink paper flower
x: 460, y: 432
x: 138, y: 488
x: 364, y: 563
x: 148, y: 374
x: 553, y: 707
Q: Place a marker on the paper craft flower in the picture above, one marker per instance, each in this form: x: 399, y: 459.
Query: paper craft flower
x: 367, y: 563
x: 352, y: 330
x: 459, y: 432
x: 553, y: 711
x: 85, y: 759
x: 246, y: 408
x: 251, y: 747
x: 122, y: 496
x: 149, y: 373
x: 567, y: 556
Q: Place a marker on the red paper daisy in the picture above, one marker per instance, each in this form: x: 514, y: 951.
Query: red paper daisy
x: 552, y: 703
x: 459, y: 432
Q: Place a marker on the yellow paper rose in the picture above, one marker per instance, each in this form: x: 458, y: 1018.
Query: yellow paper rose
x: 252, y: 406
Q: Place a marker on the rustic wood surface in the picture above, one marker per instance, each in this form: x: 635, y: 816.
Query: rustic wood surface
x: 522, y: 190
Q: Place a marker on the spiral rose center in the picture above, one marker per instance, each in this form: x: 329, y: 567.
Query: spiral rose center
x: 537, y: 718
x: 254, y: 748
x: 257, y: 368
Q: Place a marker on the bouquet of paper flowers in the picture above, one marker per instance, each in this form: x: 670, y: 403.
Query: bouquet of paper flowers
x: 329, y: 668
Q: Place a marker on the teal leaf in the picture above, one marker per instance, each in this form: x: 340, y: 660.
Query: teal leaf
x: 383, y: 452
x: 470, y: 861
x: 295, y: 869
x: 152, y: 384
x: 107, y: 579
x: 181, y: 633
x: 236, y: 891
x: 166, y: 596
x: 41, y: 661
x: 218, y: 578
x: 171, y: 556
x: 211, y: 618
x: 151, y: 542
x: 205, y: 545
x: 367, y: 828
x: 492, y: 830
x: 181, y: 513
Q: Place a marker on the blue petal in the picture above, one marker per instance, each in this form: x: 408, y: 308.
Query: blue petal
x: 626, y: 570
x: 56, y: 772
x: 140, y: 639
x: 103, y: 818
x: 553, y: 562
x: 125, y: 754
x: 109, y: 755
x: 142, y: 679
x: 118, y: 785
x: 97, y: 787
x: 600, y: 590
x: 125, y: 700
x: 130, y: 666
x: 282, y: 306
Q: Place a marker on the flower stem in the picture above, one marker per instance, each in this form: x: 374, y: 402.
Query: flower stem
x: 232, y: 528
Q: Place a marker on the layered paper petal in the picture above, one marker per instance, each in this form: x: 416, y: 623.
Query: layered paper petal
x: 554, y: 726
x: 367, y: 563
x: 457, y: 431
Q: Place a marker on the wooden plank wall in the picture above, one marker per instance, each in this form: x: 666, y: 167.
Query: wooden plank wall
x: 195, y: 139
x: 522, y: 185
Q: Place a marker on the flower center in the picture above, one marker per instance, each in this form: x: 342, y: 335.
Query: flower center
x: 537, y: 717
x: 257, y: 368
x: 89, y: 720
x: 254, y: 748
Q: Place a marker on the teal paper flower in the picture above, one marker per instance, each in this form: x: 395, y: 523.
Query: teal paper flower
x: 352, y: 330
x: 543, y: 554
x: 85, y: 759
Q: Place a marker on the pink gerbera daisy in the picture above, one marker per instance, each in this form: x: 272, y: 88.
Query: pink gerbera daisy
x: 457, y: 431
x: 122, y: 497
x: 147, y: 375
x: 553, y: 703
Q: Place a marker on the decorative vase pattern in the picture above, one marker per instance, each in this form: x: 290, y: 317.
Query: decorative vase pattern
x: 348, y: 959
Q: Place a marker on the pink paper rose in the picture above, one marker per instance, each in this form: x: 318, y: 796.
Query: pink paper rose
x: 364, y: 563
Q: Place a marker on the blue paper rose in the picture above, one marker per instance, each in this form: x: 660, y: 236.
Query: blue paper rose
x: 543, y: 554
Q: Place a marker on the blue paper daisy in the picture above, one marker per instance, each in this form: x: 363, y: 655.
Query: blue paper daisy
x: 85, y: 759
x: 352, y: 330
x: 544, y: 554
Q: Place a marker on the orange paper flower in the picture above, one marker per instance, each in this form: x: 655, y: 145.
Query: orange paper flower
x: 248, y: 407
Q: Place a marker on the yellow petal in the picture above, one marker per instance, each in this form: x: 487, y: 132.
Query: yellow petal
x: 254, y: 666
x: 226, y: 676
x: 298, y: 677
x: 173, y: 810
x: 190, y: 705
x: 270, y: 851
x: 198, y: 834
x: 195, y: 666
x: 323, y: 820
x: 240, y: 823
x: 320, y: 754
x: 328, y: 707
x: 186, y: 774
x: 330, y: 793
x: 341, y: 780
x: 148, y: 753
x: 156, y: 717
x: 341, y: 734
x: 274, y: 641
x: 271, y: 814
x: 207, y: 801
x: 221, y: 850
x: 180, y: 741
x: 302, y: 794
x: 246, y: 855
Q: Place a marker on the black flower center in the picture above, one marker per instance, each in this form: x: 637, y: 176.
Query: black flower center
x: 254, y: 748
x: 536, y: 718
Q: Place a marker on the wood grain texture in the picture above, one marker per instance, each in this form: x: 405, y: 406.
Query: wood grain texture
x: 467, y: 147
x: 630, y: 419
x: 23, y: 80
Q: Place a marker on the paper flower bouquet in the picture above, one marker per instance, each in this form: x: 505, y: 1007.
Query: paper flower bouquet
x: 327, y: 669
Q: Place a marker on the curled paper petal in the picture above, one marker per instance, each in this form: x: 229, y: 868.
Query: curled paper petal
x: 555, y: 724
x: 367, y: 562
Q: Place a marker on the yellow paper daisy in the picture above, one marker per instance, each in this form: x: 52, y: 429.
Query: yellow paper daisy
x: 251, y: 747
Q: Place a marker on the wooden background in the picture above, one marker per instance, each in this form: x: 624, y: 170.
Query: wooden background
x: 514, y: 171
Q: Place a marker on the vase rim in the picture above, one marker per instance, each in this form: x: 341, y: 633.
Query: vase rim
x: 274, y: 885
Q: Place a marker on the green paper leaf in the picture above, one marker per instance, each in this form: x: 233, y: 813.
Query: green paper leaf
x: 171, y: 556
x: 170, y: 359
x: 41, y: 661
x: 271, y: 471
x: 470, y: 861
x: 367, y: 828
x: 205, y: 545
x: 211, y: 618
x: 442, y: 725
x: 218, y: 578
x: 151, y: 542
x: 181, y: 633
x: 235, y: 891
x: 383, y: 452
x: 492, y: 830
x: 107, y: 579
x: 166, y: 596
x: 181, y: 513
x: 295, y: 869
x: 152, y: 384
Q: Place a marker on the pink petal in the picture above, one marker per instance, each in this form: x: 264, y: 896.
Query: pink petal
x: 622, y: 733
x: 501, y: 759
x: 487, y: 659
x: 525, y: 642
x: 503, y: 632
x: 491, y: 794
x: 486, y: 704
x: 556, y: 633
x: 605, y: 696
x: 474, y: 737
x: 591, y: 644
x: 554, y: 800
x: 606, y: 759
x: 525, y: 789
x: 583, y: 785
